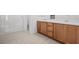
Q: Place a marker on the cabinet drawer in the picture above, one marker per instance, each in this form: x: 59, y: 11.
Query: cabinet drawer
x: 50, y: 34
x: 50, y: 28
x: 49, y: 24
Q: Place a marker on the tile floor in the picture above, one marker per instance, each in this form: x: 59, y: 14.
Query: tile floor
x: 25, y: 38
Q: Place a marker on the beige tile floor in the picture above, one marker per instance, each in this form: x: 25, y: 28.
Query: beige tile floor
x: 25, y: 38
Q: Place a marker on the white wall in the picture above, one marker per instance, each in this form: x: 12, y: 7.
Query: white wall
x: 33, y: 21
x: 2, y: 23
x: 26, y: 22
x: 13, y: 23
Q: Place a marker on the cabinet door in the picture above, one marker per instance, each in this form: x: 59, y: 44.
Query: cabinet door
x: 50, y: 34
x: 38, y: 26
x: 77, y: 35
x: 43, y: 28
x: 60, y: 32
x: 71, y: 34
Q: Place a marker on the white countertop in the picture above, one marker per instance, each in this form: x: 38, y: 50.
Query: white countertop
x: 61, y: 22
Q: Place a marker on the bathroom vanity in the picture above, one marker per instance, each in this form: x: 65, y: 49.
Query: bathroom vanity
x: 64, y: 32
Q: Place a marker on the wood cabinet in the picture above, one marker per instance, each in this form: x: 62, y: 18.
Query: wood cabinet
x: 61, y: 32
x: 71, y: 34
x: 43, y: 28
x: 77, y: 35
x: 50, y: 29
x: 38, y: 26
x: 65, y: 33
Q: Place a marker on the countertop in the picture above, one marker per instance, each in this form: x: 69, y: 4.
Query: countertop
x: 61, y: 22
